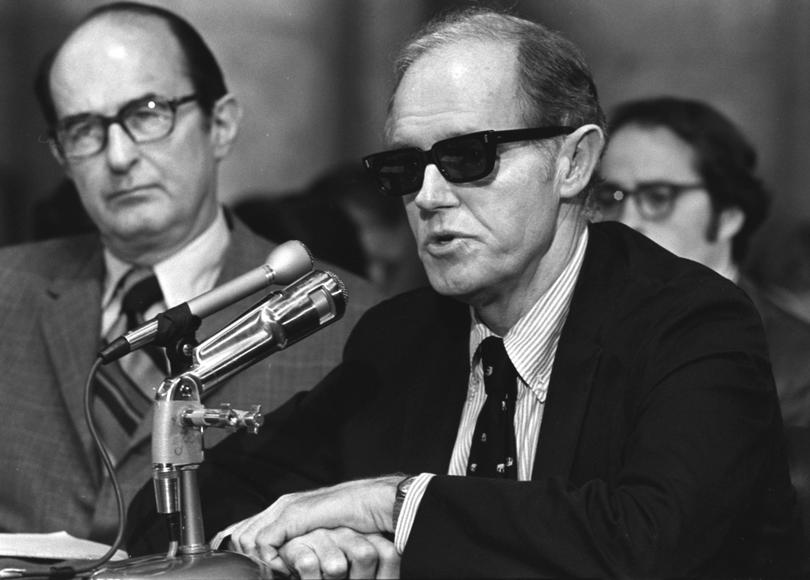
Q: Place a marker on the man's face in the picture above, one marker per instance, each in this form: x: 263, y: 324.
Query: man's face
x: 484, y: 240
x: 638, y: 155
x: 149, y: 197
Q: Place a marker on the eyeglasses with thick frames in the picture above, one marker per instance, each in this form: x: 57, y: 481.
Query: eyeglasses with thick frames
x: 459, y: 159
x: 144, y: 120
x: 655, y: 200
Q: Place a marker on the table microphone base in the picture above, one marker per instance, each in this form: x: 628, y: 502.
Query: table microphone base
x: 213, y: 565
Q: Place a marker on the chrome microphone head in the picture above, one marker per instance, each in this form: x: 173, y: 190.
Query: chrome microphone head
x: 289, y: 261
x: 284, y: 317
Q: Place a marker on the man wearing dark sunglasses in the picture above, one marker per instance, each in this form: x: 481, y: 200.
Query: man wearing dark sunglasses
x: 567, y: 400
x: 139, y: 117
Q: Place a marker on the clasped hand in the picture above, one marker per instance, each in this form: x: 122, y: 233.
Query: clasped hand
x: 332, y: 532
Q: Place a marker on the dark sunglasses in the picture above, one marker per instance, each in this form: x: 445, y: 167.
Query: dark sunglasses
x: 459, y: 159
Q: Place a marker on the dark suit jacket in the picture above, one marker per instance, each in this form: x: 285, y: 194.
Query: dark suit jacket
x: 50, y: 292
x: 660, y: 451
x: 789, y: 346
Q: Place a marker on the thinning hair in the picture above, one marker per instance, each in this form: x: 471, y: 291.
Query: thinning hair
x: 555, y: 85
x: 724, y: 158
x: 201, y: 66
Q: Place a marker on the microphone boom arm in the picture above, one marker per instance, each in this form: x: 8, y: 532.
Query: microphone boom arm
x: 284, y: 265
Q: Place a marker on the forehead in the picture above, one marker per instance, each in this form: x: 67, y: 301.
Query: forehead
x: 113, y: 59
x: 641, y: 153
x: 468, y: 86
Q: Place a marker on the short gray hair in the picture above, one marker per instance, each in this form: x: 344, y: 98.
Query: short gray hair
x: 554, y: 82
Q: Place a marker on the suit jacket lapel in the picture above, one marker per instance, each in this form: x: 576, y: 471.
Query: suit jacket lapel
x: 575, y: 364
x: 436, y: 393
x: 70, y: 325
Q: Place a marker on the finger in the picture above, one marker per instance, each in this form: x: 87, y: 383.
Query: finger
x: 360, y: 553
x: 239, y: 541
x: 280, y: 569
x: 245, y: 534
x: 301, y: 558
x: 387, y: 555
x: 332, y: 562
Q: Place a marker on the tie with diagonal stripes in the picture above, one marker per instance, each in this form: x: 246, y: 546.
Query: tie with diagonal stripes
x: 124, y: 387
x: 138, y: 298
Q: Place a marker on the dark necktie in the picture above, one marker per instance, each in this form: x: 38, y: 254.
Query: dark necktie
x: 493, y: 452
x: 136, y: 301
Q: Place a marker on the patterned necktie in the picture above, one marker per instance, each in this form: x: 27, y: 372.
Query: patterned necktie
x: 124, y: 387
x: 142, y: 293
x: 493, y: 452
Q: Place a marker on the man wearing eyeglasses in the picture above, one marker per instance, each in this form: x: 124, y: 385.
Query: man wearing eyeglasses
x: 139, y: 118
x: 567, y: 400
x: 680, y: 172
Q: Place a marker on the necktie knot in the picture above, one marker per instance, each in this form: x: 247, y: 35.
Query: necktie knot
x: 141, y: 291
x: 500, y: 375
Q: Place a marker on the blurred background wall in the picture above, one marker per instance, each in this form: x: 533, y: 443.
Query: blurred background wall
x: 314, y: 77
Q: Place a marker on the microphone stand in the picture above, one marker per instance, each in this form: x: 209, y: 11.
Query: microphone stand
x: 177, y: 452
x: 314, y: 301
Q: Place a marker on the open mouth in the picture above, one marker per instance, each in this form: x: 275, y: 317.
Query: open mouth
x: 443, y: 238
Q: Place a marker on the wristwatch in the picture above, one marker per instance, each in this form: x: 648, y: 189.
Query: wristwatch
x: 402, y: 490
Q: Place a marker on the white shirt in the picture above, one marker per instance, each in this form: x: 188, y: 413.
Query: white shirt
x: 182, y: 276
x: 531, y: 345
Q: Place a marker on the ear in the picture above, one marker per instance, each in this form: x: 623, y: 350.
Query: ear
x: 577, y: 159
x: 226, y: 118
x: 730, y: 221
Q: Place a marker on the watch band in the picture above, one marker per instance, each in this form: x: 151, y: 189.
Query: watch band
x: 402, y: 490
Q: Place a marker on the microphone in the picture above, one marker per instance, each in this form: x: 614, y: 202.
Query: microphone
x: 280, y: 320
x: 283, y: 265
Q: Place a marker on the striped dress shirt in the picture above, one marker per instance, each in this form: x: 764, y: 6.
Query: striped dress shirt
x: 531, y: 345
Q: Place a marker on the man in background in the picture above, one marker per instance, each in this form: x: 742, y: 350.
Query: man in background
x: 680, y: 172
x: 139, y: 118
x: 567, y: 400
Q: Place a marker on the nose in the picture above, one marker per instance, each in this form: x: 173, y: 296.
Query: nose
x: 436, y: 192
x: 121, y: 150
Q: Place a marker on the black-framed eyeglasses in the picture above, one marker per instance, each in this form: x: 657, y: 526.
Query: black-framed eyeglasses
x: 146, y: 119
x: 459, y: 159
x: 654, y: 200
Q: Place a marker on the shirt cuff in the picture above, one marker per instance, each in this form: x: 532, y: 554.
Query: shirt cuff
x: 408, y: 513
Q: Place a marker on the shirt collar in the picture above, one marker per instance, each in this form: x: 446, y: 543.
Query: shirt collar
x: 532, y: 342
